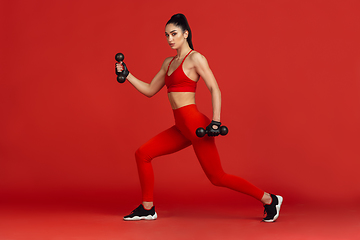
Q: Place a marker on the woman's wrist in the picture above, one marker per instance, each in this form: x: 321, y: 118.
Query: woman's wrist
x: 216, y: 122
x: 129, y: 76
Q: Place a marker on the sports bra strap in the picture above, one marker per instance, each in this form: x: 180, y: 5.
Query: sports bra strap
x: 186, y: 56
x: 170, y: 64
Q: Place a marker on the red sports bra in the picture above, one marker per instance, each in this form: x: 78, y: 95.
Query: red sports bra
x: 178, y: 81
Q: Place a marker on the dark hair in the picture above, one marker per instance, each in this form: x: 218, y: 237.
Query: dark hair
x: 180, y: 20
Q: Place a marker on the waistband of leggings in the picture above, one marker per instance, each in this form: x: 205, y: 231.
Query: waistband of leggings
x: 185, y: 109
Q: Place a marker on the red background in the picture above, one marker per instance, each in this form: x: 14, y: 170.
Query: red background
x: 289, y: 73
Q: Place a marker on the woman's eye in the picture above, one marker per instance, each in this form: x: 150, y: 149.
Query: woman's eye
x: 174, y: 34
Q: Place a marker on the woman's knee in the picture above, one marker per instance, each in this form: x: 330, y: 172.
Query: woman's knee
x: 216, y: 180
x: 141, y: 155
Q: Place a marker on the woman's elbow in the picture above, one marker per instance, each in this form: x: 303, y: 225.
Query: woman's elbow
x: 152, y: 91
x: 215, y: 90
x: 149, y: 94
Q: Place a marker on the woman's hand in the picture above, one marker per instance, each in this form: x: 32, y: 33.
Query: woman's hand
x: 213, y: 128
x: 121, y: 68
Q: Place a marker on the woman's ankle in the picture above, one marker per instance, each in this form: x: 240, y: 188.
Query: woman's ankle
x: 266, y: 199
x: 148, y: 205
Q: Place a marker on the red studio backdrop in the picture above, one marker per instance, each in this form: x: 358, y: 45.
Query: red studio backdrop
x: 289, y: 72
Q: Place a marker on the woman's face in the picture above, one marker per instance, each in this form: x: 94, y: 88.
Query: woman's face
x: 175, y: 36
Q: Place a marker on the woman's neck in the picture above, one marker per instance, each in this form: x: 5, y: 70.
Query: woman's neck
x: 181, y: 52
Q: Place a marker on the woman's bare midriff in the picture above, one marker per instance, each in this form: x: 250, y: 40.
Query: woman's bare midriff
x: 181, y: 99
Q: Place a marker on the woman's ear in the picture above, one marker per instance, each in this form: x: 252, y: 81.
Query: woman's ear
x: 186, y: 33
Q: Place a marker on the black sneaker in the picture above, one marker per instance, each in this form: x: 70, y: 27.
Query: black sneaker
x: 272, y: 210
x: 140, y: 213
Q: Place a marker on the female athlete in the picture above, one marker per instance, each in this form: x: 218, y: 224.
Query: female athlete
x: 180, y: 74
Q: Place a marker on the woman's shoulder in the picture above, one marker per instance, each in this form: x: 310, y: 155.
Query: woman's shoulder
x: 167, y: 60
x: 197, y: 57
x: 195, y: 54
x: 166, y: 63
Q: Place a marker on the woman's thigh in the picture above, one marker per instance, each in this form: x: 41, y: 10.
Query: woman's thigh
x: 166, y: 142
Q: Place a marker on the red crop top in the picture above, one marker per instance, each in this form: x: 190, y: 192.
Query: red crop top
x: 178, y: 81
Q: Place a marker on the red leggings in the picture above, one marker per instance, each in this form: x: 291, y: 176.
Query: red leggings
x: 180, y: 136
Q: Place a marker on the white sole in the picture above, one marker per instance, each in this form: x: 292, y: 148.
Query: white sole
x: 136, y: 218
x: 278, y: 206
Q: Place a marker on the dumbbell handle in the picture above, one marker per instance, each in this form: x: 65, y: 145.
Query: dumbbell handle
x: 200, y: 132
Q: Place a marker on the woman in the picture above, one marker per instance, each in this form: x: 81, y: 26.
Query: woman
x: 180, y: 74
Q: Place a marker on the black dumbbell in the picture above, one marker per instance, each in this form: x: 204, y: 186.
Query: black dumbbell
x: 200, y: 132
x: 119, y: 57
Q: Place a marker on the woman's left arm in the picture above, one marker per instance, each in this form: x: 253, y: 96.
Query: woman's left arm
x: 203, y: 69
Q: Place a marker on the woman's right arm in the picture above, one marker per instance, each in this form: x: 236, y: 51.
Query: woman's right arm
x: 150, y: 89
